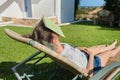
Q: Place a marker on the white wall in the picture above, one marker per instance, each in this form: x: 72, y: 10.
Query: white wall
x: 67, y: 10
x: 42, y: 8
x: 62, y: 9
x: 11, y: 8
x: 58, y: 10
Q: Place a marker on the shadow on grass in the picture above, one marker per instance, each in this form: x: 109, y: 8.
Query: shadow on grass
x: 103, y: 25
x: 106, y: 27
x: 6, y: 72
x: 87, y: 23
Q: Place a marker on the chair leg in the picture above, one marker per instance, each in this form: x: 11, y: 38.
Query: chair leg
x: 14, y: 69
x: 77, y: 76
x: 25, y: 74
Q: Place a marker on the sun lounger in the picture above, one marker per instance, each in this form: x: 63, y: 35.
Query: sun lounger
x: 60, y: 60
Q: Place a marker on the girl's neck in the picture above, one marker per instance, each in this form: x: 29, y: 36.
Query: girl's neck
x: 59, y: 48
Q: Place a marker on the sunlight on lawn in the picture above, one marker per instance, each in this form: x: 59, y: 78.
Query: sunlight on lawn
x: 80, y: 34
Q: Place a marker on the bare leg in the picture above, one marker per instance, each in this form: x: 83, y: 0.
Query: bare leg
x: 93, y: 47
x: 106, y: 55
x: 102, y: 48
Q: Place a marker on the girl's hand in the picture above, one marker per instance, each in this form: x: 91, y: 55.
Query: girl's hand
x: 89, y: 51
x: 82, y: 48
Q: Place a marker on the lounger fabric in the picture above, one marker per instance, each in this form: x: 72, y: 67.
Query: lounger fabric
x: 75, y: 55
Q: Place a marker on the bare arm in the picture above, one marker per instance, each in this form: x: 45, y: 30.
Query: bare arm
x: 90, y: 66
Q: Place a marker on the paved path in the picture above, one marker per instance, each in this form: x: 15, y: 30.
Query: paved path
x: 5, y: 23
x: 11, y: 23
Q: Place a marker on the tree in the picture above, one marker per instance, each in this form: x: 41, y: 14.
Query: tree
x: 77, y: 2
x: 113, y: 6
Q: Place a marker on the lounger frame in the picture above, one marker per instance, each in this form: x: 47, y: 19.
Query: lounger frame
x: 113, y: 68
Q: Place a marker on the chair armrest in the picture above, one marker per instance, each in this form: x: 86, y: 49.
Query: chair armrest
x: 105, y: 70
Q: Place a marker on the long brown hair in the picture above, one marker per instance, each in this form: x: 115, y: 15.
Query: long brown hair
x: 41, y: 33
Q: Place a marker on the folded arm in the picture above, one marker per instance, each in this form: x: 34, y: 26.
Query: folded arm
x: 90, y: 65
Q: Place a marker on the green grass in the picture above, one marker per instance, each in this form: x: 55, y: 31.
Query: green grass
x: 86, y: 34
x: 80, y: 34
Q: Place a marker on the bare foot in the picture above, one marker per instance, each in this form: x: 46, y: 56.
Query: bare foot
x: 114, y: 44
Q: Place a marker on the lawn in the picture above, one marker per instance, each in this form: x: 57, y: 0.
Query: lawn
x: 80, y: 34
